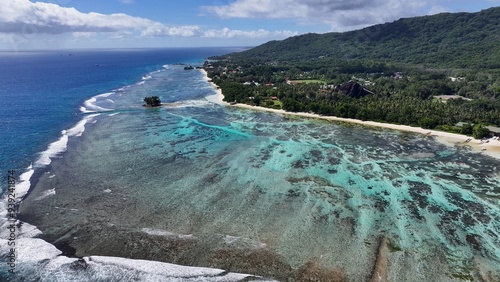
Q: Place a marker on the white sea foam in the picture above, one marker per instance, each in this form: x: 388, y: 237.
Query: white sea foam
x: 60, y: 146
x: 167, y: 269
x: 55, y: 266
x: 159, y: 232
x: 79, y: 128
x: 166, y: 67
x: 147, y: 77
x: 25, y: 248
x: 26, y: 230
x: 52, y: 151
x: 188, y: 104
x: 105, y: 95
x: 141, y: 82
x: 46, y: 194
x: 91, y: 107
x: 245, y: 243
x: 23, y: 186
x: 22, y: 230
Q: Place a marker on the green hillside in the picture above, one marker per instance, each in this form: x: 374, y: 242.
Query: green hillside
x: 457, y: 40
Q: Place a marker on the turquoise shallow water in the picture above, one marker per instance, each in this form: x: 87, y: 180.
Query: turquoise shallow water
x: 200, y: 184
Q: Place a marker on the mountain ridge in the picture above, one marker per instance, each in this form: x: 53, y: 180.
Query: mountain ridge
x: 459, y: 40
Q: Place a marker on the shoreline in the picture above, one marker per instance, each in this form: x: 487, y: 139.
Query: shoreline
x: 97, y: 220
x: 489, y: 147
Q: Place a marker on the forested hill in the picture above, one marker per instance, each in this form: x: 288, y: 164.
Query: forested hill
x: 457, y: 40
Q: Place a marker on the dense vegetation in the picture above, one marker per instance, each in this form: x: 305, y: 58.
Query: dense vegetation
x: 402, y: 68
x: 459, y: 40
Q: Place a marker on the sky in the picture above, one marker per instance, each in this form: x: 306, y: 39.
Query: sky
x: 66, y: 24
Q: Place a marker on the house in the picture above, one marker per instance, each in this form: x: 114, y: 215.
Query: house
x: 460, y: 124
x: 456, y: 79
x: 398, y: 75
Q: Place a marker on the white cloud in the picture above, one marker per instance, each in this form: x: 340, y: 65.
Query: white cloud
x: 23, y: 18
x: 339, y: 14
x: 53, y: 19
x: 127, y: 1
x: 159, y: 30
x: 19, y: 16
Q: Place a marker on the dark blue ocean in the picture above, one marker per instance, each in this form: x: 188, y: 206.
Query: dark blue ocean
x: 41, y: 92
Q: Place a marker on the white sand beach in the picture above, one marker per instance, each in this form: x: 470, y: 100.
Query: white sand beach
x: 490, y: 146
x: 218, y: 97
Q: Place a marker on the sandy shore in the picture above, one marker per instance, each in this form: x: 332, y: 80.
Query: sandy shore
x: 218, y: 97
x: 490, y: 147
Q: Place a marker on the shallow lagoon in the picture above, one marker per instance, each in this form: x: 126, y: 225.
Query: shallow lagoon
x: 199, y: 184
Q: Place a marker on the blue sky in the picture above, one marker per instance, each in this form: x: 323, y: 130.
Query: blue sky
x: 58, y: 24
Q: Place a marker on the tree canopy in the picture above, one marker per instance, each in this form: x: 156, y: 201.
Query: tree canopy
x: 459, y: 40
x: 434, y: 72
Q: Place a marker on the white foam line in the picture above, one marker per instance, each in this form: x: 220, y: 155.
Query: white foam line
x: 188, y: 103
x: 159, y: 232
x: 79, y: 128
x: 84, y: 110
x: 161, y: 268
x: 46, y: 194
x: 34, y: 250
x: 33, y: 253
x: 59, y: 146
x: 90, y: 107
x: 24, y: 184
x: 104, y: 95
x: 53, y: 150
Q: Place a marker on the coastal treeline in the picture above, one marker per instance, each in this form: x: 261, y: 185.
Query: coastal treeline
x: 401, y: 94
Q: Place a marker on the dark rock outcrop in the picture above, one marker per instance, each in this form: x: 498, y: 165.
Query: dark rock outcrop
x: 353, y: 89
